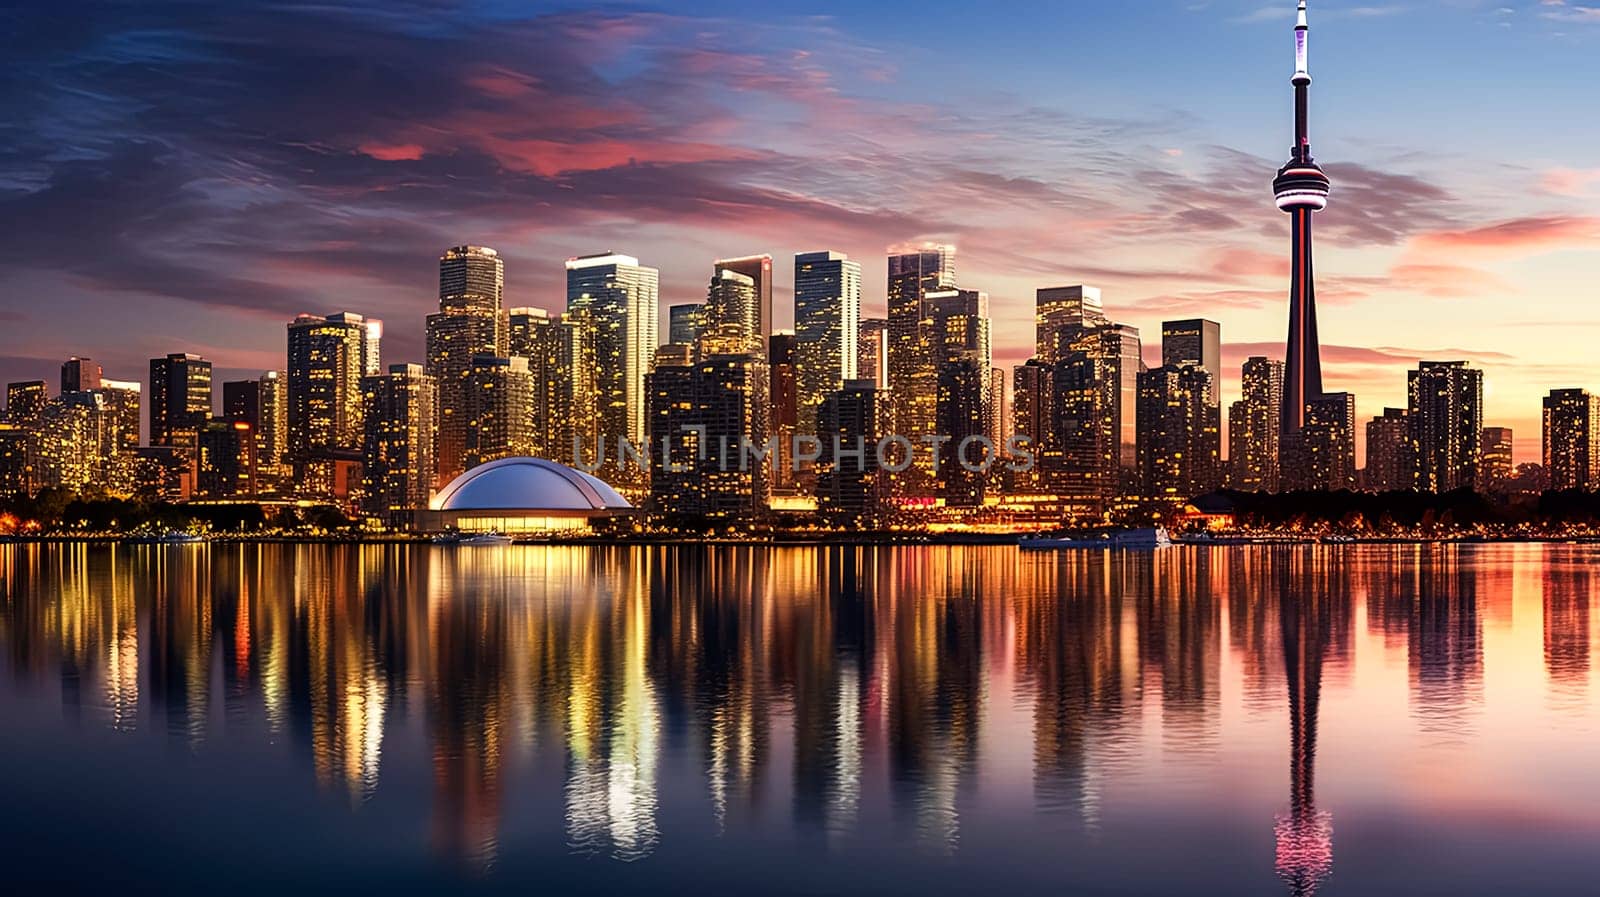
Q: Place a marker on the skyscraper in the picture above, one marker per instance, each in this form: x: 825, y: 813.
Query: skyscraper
x: 80, y: 375
x: 470, y: 322
x: 702, y: 405
x: 783, y: 393
x: 1253, y: 426
x: 1301, y: 189
x: 1389, y: 464
x: 684, y: 322
x: 1497, y: 459
x: 620, y: 297
x: 1197, y: 343
x: 1326, y: 460
x: 225, y: 460
x: 180, y: 399
x: 1178, y: 436
x: 730, y: 310
x: 759, y: 269
x: 827, y: 322
x: 397, y: 452
x: 1446, y: 416
x: 1572, y: 439
x: 851, y: 489
x: 272, y: 430
x: 25, y: 399
x: 1061, y: 314
x: 498, y: 409
x: 913, y: 372
x: 872, y: 353
x: 957, y: 329
x: 122, y: 401
x: 327, y: 358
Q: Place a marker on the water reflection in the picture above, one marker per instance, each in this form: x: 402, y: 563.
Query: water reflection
x: 833, y: 693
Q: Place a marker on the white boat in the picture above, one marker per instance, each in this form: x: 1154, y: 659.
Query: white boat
x: 485, y: 539
x: 1147, y: 539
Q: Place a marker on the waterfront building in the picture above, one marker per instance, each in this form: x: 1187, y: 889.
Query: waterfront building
x: 827, y: 322
x: 327, y: 358
x: 1389, y: 462
x: 1195, y: 343
x: 400, y: 430
x: 852, y: 491
x: 913, y: 361
x: 619, y: 296
x: 470, y: 322
x: 1571, y: 439
x: 1497, y: 459
x: 225, y: 460
x: 1326, y: 457
x: 1178, y: 433
x: 1446, y: 416
x: 1253, y: 426
x: 498, y: 409
x: 180, y: 399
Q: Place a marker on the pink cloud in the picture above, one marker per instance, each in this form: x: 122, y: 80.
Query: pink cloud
x: 1569, y: 181
x: 1515, y: 237
x: 399, y: 152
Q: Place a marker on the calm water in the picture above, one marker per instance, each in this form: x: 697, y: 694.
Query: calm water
x: 1354, y: 720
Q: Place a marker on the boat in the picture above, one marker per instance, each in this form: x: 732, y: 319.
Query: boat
x: 1146, y: 539
x: 484, y: 539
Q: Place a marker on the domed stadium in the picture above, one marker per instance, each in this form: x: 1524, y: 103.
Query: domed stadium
x: 523, y: 495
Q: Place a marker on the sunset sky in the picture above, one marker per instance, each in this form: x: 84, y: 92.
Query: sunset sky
x: 188, y: 176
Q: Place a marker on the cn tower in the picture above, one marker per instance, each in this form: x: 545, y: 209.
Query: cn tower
x: 1301, y: 188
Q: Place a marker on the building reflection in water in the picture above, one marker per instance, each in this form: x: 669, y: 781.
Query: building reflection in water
x: 804, y: 687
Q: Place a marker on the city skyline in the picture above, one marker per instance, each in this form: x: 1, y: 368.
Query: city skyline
x: 1477, y: 258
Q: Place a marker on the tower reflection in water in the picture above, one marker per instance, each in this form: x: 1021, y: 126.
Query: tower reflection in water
x: 832, y: 691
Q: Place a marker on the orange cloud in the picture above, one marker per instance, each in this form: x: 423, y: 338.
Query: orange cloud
x: 1514, y: 237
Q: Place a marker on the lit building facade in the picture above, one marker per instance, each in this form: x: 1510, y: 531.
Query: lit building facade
x: 827, y: 328
x: 1572, y: 439
x: 1195, y: 343
x: 1326, y: 461
x: 80, y: 374
x: 327, y: 359
x: 25, y: 399
x: 397, y: 454
x: 913, y: 369
x: 470, y: 322
x: 498, y: 409
x: 852, y: 491
x: 1497, y: 459
x: 1253, y: 426
x: 180, y: 399
x: 619, y: 296
x: 225, y: 460
x: 1446, y: 415
x: 1061, y: 315
x: 684, y: 323
x: 759, y: 269
x: 1389, y: 463
x: 1178, y: 434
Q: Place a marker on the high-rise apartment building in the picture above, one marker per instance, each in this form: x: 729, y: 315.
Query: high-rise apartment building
x: 397, y: 453
x: 471, y: 321
x: 1195, y: 343
x: 759, y: 269
x: 730, y: 314
x: 619, y: 297
x: 80, y: 375
x: 180, y: 399
x: 225, y: 460
x: 1178, y: 433
x: 703, y: 406
x: 827, y: 326
x: 25, y: 399
x: 852, y: 491
x: 1572, y: 439
x: 1326, y: 456
x: 913, y: 365
x: 684, y: 323
x: 1497, y: 459
x: 1389, y: 463
x: 327, y: 358
x: 1254, y: 424
x: 1061, y: 315
x: 498, y: 409
x: 1446, y: 415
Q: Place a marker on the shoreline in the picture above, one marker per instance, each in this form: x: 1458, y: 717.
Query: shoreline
x: 852, y: 539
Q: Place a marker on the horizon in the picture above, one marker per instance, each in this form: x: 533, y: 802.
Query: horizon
x: 153, y: 229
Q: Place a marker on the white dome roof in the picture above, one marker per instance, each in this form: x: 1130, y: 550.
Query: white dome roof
x: 527, y: 484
